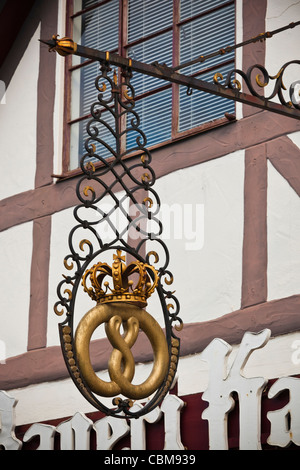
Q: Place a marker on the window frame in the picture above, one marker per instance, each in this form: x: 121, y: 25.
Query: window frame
x: 123, y: 46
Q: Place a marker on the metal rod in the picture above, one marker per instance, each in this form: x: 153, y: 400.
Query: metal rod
x: 227, y: 49
x: 164, y: 72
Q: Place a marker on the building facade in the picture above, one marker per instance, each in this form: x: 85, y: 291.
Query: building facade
x: 229, y: 186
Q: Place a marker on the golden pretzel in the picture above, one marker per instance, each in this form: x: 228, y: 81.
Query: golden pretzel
x: 121, y: 364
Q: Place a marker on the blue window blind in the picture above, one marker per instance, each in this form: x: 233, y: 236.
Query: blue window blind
x: 204, y: 26
x: 189, y: 8
x: 144, y: 19
x: 210, y: 32
x: 99, y: 30
x: 148, y: 16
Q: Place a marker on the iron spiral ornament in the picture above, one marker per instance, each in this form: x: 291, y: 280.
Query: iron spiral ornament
x: 108, y: 173
x: 258, y: 76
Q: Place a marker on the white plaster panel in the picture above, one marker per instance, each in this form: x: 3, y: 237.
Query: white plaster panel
x: 283, y: 237
x: 282, y: 47
x: 18, y: 124
x: 207, y: 267
x: 295, y: 138
x: 62, y: 223
x: 15, y: 260
x: 58, y: 114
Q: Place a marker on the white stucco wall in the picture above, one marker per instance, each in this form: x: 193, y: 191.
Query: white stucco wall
x: 207, y: 267
x: 15, y: 261
x: 18, y: 124
x: 282, y: 47
x: 58, y: 114
x: 283, y: 216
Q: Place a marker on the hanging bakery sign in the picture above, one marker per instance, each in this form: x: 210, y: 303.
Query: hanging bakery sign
x: 119, y: 275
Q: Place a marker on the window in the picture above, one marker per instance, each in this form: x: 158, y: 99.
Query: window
x: 168, y: 31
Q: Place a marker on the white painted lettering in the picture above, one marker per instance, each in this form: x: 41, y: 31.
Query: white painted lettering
x: 109, y: 431
x: 138, y: 428
x: 171, y: 406
x: 219, y: 392
x: 75, y: 433
x: 285, y: 423
x: 46, y: 433
x: 7, y: 434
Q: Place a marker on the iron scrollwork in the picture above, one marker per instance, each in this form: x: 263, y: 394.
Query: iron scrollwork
x: 262, y: 79
x: 126, y: 182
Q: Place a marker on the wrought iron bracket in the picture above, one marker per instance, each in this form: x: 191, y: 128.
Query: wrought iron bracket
x: 231, y: 89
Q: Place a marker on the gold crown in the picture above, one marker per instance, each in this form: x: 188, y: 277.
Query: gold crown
x: 124, y: 289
